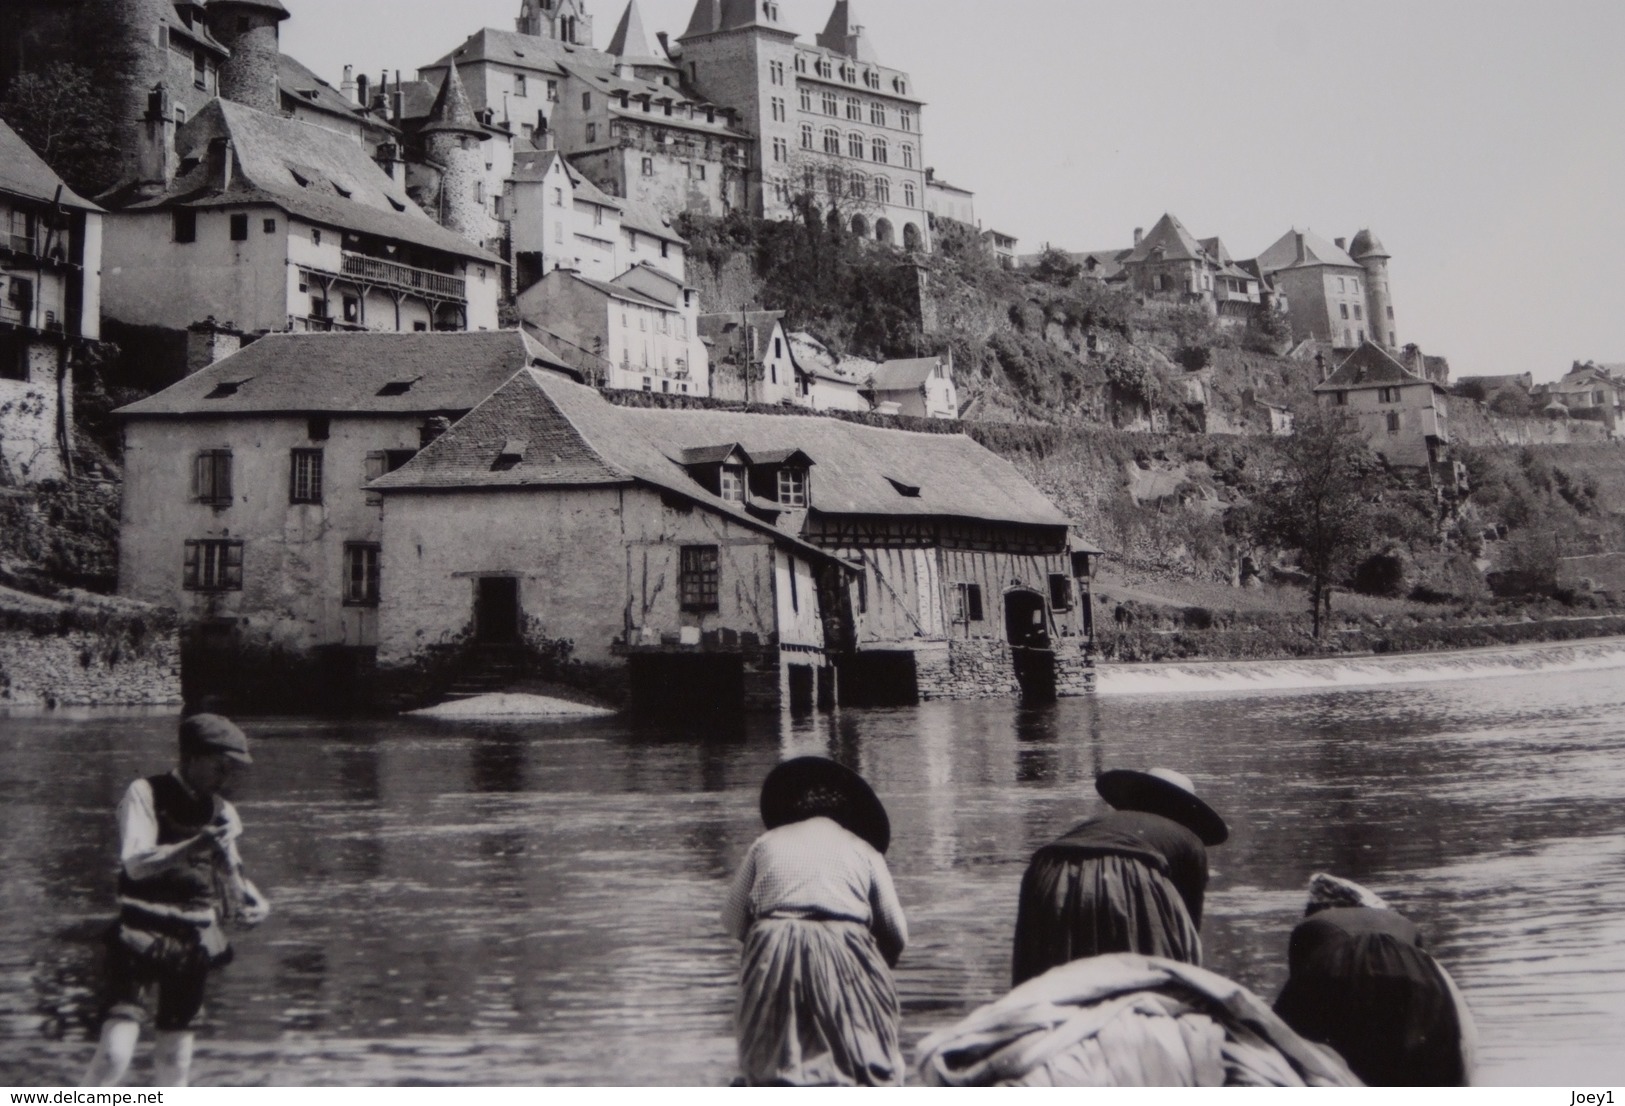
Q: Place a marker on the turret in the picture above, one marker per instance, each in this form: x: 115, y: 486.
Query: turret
x: 452, y: 138
x: 1368, y: 251
x: 252, y: 31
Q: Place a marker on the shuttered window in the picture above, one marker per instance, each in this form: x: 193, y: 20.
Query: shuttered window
x: 213, y: 566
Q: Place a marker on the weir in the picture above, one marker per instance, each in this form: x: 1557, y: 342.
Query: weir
x: 1197, y: 677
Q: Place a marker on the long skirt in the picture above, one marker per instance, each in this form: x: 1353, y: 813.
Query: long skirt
x: 1075, y: 905
x: 1386, y: 1006
x: 817, y: 1007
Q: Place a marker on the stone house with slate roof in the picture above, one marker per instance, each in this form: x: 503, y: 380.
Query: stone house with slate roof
x: 1331, y: 296
x: 750, y: 356
x: 1402, y: 415
x: 922, y: 387
x: 273, y: 225
x: 244, y: 506
x: 50, y: 305
x: 960, y: 579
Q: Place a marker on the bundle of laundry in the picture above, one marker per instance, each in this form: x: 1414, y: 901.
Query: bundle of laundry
x: 1125, y: 1020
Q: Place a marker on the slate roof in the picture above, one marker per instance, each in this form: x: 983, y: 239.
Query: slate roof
x: 306, y: 88
x: 573, y: 438
x: 643, y: 218
x: 715, y: 16
x: 617, y: 291
x: 534, y: 167
x: 1366, y: 244
x: 343, y: 373
x: 722, y: 328
x: 904, y: 375
x: 1283, y: 254
x: 1370, y: 366
x: 521, y: 51
x: 452, y: 111
x: 578, y: 437
x: 630, y: 42
x: 273, y: 154
x: 24, y: 173
x: 1177, y: 243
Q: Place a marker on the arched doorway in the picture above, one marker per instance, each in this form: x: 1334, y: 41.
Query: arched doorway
x: 1026, y: 628
x: 860, y: 226
x: 911, y: 237
x: 883, y: 232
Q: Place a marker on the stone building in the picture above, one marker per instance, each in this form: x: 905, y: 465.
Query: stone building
x: 1331, y: 296
x: 1588, y: 391
x: 1403, y: 416
x: 919, y: 387
x: 50, y: 306
x: 272, y: 224
x: 453, y: 186
x: 1171, y: 264
x: 830, y: 121
x: 750, y: 356
x: 244, y: 507
x: 639, y: 332
x: 701, y: 601
x: 734, y: 549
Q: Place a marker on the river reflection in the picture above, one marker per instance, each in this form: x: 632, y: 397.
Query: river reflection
x: 538, y: 903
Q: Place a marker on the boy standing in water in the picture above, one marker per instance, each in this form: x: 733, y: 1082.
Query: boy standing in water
x: 180, y: 879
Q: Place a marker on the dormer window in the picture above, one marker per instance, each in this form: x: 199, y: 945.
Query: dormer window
x: 793, y: 487
x: 732, y: 487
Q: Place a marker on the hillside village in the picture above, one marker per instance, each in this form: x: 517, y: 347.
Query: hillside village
x: 345, y: 375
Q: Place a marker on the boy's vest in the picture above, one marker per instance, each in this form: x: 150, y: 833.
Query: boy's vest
x: 181, y: 900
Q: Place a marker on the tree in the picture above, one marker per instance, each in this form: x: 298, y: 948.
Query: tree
x: 66, y: 117
x: 1057, y: 267
x: 1316, y: 507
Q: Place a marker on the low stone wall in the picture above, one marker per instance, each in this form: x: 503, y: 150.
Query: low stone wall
x: 977, y: 669
x: 69, y: 655
x: 1074, y: 671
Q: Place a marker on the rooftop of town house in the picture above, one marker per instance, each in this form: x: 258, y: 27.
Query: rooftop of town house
x: 542, y: 430
x: 607, y: 287
x: 1371, y: 366
x: 904, y: 375
x: 577, y: 436
x: 1168, y: 240
x: 521, y: 51
x: 533, y: 168
x: 306, y: 170
x: 646, y: 219
x: 722, y: 329
x: 24, y: 173
x: 351, y: 373
x: 1284, y: 253
x: 313, y: 92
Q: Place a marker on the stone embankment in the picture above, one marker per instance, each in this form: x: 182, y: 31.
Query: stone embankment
x: 86, y: 650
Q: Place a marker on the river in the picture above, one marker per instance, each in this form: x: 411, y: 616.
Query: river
x: 537, y: 903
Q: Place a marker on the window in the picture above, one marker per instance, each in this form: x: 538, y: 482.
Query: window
x: 315, y: 236
x: 835, y: 181
x: 697, y: 584
x: 832, y: 140
x: 519, y: 85
x: 877, y: 114
x: 775, y: 72
x: 967, y: 602
x: 854, y: 144
x: 830, y: 104
x: 185, y: 225
x: 854, y: 108
x: 213, y: 566
x: 780, y: 113
x: 696, y: 171
x: 211, y: 477
x: 1342, y: 399
x: 586, y: 101
x: 908, y: 157
x: 806, y: 99
x: 781, y: 150
x: 1388, y: 395
x: 1390, y: 318
x: 801, y: 63
x: 592, y: 132
x: 352, y: 309
x: 881, y: 153
x: 824, y: 68
x: 858, y: 185
x: 552, y: 92
x: 849, y: 73
x: 648, y: 166
x: 883, y: 190
x: 733, y: 485
x: 1342, y: 286
x: 1358, y: 314
x: 305, y: 476
x: 239, y: 227
x: 360, y: 574
x: 909, y: 197
x: 269, y: 226
x: 1393, y: 422
x: 809, y: 179
x: 806, y: 136
x: 1060, y: 591
x: 558, y: 197
x: 905, y: 119
x: 792, y: 487
x: 1344, y: 308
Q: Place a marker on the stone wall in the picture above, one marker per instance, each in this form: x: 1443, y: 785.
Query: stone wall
x: 250, y: 75
x: 87, y: 654
x: 1471, y: 423
x: 30, y: 411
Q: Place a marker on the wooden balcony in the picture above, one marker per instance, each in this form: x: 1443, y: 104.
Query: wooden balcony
x: 405, y: 278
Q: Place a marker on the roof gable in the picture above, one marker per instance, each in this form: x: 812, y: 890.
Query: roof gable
x: 1174, y: 242
x: 904, y: 375
x: 1285, y: 253
x: 1370, y: 366
x: 24, y: 173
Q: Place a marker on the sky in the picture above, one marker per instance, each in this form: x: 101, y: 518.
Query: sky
x: 1482, y: 141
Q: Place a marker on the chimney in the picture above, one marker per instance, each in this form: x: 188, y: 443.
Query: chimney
x: 1342, y: 243
x: 208, y: 342
x: 221, y: 157
x: 156, y: 158
x: 1139, y: 233
x: 363, y: 91
x: 397, y: 105
x: 348, y: 87
x: 432, y: 428
x: 665, y: 45
x: 1303, y: 251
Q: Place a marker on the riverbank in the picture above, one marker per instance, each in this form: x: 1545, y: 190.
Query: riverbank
x: 83, y: 650
x: 1288, y: 674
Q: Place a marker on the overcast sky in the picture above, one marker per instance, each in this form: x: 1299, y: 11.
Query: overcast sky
x: 1483, y: 141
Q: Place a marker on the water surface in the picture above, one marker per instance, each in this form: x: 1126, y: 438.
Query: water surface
x: 500, y: 904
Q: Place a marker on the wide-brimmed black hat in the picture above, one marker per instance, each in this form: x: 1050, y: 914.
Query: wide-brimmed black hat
x: 1166, y: 792
x: 812, y: 787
